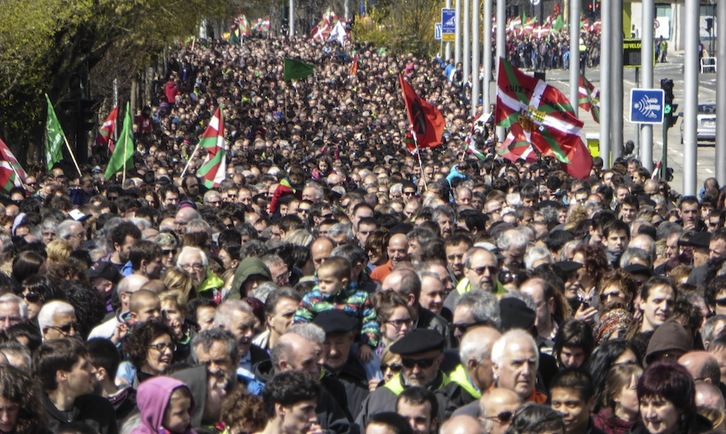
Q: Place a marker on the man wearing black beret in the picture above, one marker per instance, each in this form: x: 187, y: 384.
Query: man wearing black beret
x: 339, y: 330
x: 421, y: 351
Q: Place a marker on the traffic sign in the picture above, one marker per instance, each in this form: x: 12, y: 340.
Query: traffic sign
x: 448, y: 21
x: 437, y: 31
x: 646, y: 106
x: 631, y: 53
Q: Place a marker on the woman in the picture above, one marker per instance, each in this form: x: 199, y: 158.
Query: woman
x: 395, y: 317
x: 620, y: 400
x: 594, y: 263
x: 173, y: 312
x: 616, y: 286
x: 178, y: 280
x: 35, y: 290
x: 150, y: 349
x: 376, y: 248
x: 20, y: 398
x: 27, y: 264
x: 667, y: 397
x: 609, y: 354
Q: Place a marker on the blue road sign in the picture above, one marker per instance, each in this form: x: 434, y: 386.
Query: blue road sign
x: 448, y: 21
x: 437, y: 31
x: 646, y: 106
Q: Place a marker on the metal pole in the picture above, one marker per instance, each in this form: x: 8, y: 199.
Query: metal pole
x: 487, y: 59
x: 447, y: 52
x: 475, y: 50
x: 466, y: 44
x: 616, y: 113
x: 457, y: 33
x: 690, y: 78
x: 574, y: 49
x: 720, y: 93
x: 501, y: 45
x: 291, y: 19
x: 605, y: 97
x: 636, y: 139
x: 115, y: 92
x: 346, y: 9
x: 646, y: 64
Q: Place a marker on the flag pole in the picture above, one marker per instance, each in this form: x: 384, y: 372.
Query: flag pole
x: 73, y: 157
x: 418, y: 154
x: 190, y: 160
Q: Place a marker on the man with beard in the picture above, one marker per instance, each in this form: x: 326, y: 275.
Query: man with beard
x: 716, y: 245
x: 122, y: 238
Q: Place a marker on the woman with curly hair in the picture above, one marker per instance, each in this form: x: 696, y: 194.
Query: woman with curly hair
x: 242, y: 412
x: 150, y: 349
x: 20, y: 397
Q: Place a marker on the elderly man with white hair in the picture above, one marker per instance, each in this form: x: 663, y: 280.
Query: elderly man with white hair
x: 194, y: 261
x: 13, y: 310
x: 516, y: 360
x: 57, y: 319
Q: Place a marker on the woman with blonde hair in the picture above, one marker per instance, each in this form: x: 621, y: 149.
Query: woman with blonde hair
x: 176, y: 279
x: 620, y: 404
x: 58, y: 250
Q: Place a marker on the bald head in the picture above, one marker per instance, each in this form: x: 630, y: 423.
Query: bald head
x: 404, y: 282
x: 710, y: 404
x: 702, y: 366
x: 128, y: 286
x: 495, y: 402
x: 185, y: 215
x: 462, y: 424
x: 475, y: 351
x: 320, y: 250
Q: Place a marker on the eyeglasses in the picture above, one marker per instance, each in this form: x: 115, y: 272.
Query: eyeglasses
x: 409, y: 193
x: 617, y: 294
x: 32, y: 297
x: 169, y: 252
x: 721, y: 302
x: 422, y: 363
x: 160, y: 347
x: 507, y: 277
x: 492, y: 269
x: 398, y: 323
x: 503, y: 417
x: 463, y: 328
x: 395, y: 367
x: 65, y: 329
x: 195, y: 267
x: 31, y: 183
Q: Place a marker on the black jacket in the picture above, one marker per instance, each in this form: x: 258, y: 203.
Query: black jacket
x: 92, y: 410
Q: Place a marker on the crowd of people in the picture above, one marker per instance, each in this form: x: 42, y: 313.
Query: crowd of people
x: 334, y: 282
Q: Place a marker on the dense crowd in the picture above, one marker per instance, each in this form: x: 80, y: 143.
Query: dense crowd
x: 335, y: 282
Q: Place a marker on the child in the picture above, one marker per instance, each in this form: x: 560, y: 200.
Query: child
x: 166, y: 406
x: 333, y: 292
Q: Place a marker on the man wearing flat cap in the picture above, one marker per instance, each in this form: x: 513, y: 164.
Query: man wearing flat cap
x: 340, y: 330
x: 421, y: 354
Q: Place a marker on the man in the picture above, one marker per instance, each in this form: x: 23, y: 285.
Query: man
x: 213, y: 198
x: 289, y: 400
x: 703, y: 260
x: 57, y: 319
x: 194, y: 261
x: 474, y: 374
x: 218, y: 351
x: 657, y: 299
x: 407, y: 284
x: 512, y: 244
x: 340, y: 333
x: 445, y: 217
x: 702, y: 366
x: 397, y: 251
x: 104, y: 279
x: 421, y: 354
x: 320, y: 250
x: 105, y: 357
x: 456, y: 247
x: 237, y: 317
x: 366, y: 226
x: 481, y: 271
x: 475, y: 308
x: 433, y: 292
x: 190, y: 184
x: 715, y: 295
x: 146, y: 260
x: 497, y: 406
x: 690, y: 217
x: 169, y: 195
x: 543, y: 295
x: 68, y: 380
x: 13, y: 310
x: 628, y: 209
x: 516, y: 360
x: 122, y: 238
x: 73, y: 232
x: 573, y: 396
x: 616, y: 235
x: 115, y: 326
x: 280, y: 308
x: 420, y: 407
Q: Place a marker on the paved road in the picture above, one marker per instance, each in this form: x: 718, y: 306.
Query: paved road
x: 674, y: 71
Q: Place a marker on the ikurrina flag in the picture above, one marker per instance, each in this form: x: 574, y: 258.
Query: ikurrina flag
x: 515, y: 146
x: 214, y: 168
x: 11, y: 173
x: 427, y: 122
x: 545, y: 117
x: 105, y: 136
x: 589, y: 98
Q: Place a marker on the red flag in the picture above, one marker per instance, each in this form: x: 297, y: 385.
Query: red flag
x: 589, y: 98
x: 516, y: 146
x: 354, y: 66
x: 106, y: 132
x: 213, y: 169
x: 426, y: 120
x: 546, y: 118
x: 11, y: 173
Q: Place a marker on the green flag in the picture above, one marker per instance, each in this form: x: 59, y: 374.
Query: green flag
x: 54, y: 137
x: 123, y: 153
x: 297, y: 69
x: 559, y: 23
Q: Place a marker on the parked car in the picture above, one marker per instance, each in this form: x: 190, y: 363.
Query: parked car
x: 706, y: 123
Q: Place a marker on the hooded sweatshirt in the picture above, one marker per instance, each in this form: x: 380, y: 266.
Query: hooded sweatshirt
x: 153, y: 397
x: 252, y: 266
x: 669, y: 336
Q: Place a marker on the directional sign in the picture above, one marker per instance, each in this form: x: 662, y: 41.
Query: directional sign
x: 646, y: 106
x: 448, y: 24
x: 437, y: 31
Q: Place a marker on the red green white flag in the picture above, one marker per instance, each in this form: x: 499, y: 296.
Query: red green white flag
x: 214, y: 168
x: 545, y: 116
x: 11, y: 173
x: 589, y: 98
x: 105, y: 136
x: 516, y: 147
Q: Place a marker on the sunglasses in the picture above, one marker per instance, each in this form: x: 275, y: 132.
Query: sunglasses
x: 422, y: 363
x: 66, y: 328
x: 32, y: 297
x: 503, y: 417
x: 463, y: 328
x: 721, y: 302
x: 169, y: 252
x: 395, y: 367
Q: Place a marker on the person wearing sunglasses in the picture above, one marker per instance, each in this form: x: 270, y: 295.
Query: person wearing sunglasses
x: 57, y: 319
x: 496, y: 408
x: 422, y: 352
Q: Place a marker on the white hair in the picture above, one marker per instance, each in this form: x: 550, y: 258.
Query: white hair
x: 536, y: 253
x: 189, y: 249
x: 223, y: 317
x: 309, y: 331
x: 51, y: 309
x: 22, y: 305
x: 500, y: 346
